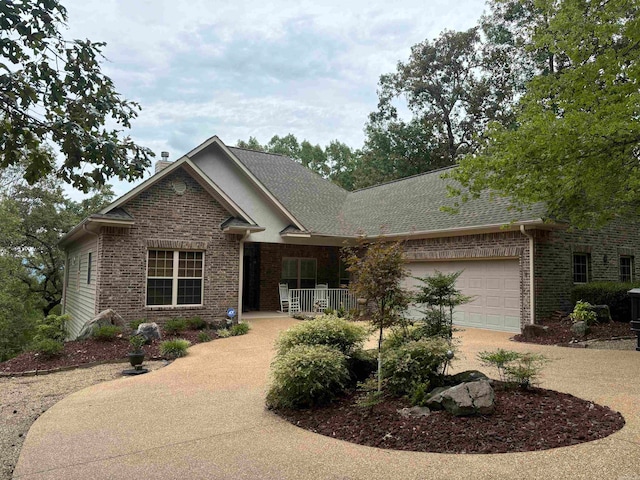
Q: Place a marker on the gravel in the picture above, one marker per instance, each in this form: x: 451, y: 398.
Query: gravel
x: 24, y: 399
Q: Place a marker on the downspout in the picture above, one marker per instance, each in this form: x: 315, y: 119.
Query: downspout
x: 241, y: 274
x: 97, y: 270
x: 65, y: 281
x: 532, y: 293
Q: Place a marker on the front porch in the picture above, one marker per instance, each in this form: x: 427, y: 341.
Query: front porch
x: 302, y: 268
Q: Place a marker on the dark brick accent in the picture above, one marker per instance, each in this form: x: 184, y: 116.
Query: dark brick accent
x: 164, y: 219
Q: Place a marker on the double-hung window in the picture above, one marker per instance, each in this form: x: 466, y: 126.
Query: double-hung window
x: 299, y: 272
x: 580, y: 267
x: 626, y: 268
x: 174, y: 278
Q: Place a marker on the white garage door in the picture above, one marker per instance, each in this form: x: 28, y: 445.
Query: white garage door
x: 493, y: 284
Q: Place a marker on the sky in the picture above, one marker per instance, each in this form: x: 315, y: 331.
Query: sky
x: 245, y: 68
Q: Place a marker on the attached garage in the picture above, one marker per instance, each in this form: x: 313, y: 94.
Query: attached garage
x: 493, y: 284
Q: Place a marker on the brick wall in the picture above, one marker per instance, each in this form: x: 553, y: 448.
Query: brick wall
x: 271, y: 255
x: 554, y: 260
x: 164, y: 219
x: 486, y: 246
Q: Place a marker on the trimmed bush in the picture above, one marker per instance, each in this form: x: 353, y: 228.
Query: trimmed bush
x: 204, y: 337
x: 239, y: 329
x: 223, y: 333
x: 196, y: 323
x: 324, y: 330
x: 307, y: 375
x: 415, y: 363
x: 174, y: 348
x: 613, y: 294
x: 48, y: 347
x: 52, y: 327
x: 106, y: 333
x: 174, y: 326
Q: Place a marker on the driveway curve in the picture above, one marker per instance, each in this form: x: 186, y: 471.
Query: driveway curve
x: 203, y: 416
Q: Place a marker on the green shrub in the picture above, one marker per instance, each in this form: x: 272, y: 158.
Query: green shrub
x: 514, y: 368
x: 613, y: 294
x: 174, y: 348
x: 415, y: 363
x: 224, y: 333
x: 583, y: 312
x: 137, y: 342
x: 106, y: 333
x: 307, y: 375
x: 361, y: 364
x: 52, y: 327
x: 48, y: 347
x: 175, y: 325
x: 196, y: 323
x: 324, y: 330
x: 204, y: 337
x: 239, y: 329
x: 134, y: 324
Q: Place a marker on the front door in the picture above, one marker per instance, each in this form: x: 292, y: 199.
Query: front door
x: 251, y: 277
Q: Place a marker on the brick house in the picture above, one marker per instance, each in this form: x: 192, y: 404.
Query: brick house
x: 223, y: 226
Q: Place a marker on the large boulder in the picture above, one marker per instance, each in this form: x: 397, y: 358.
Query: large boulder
x: 106, y: 317
x: 467, y: 376
x: 150, y: 331
x: 414, y: 412
x: 470, y: 398
x: 532, y: 331
x: 603, y: 314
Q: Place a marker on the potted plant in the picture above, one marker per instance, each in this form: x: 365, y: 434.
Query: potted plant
x: 136, y: 357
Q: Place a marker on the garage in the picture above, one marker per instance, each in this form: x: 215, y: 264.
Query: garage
x: 493, y: 284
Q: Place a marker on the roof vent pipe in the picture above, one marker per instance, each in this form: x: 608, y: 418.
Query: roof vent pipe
x: 164, y: 163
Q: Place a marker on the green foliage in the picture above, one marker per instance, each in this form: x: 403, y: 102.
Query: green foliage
x: 174, y: 326
x: 415, y: 363
x: 514, y: 368
x: 48, y: 347
x: 106, y: 333
x: 613, y: 294
x: 137, y: 342
x: 134, y: 324
x: 196, y: 323
x: 174, y: 348
x: 239, y: 329
x: 324, y: 330
x: 370, y: 395
x: 574, y: 141
x: 204, y: 337
x: 83, y: 115
x: 52, y: 327
x: 307, y: 375
x: 223, y: 333
x: 438, y: 293
x: 583, y: 312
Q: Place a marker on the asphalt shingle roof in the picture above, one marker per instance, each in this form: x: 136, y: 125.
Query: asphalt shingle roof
x: 401, y: 206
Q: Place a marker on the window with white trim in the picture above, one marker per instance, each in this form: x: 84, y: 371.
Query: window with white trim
x: 299, y: 272
x: 626, y: 268
x: 174, y: 278
x: 580, y: 267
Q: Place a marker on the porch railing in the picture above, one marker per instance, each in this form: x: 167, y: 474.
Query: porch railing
x: 315, y: 299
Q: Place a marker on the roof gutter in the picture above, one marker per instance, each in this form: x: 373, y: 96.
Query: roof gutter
x: 532, y: 292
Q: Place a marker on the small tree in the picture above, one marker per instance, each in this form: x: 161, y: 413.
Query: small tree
x: 378, y: 269
x: 440, y: 295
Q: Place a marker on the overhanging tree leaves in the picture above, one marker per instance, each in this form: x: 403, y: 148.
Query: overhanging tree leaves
x: 575, y: 145
x: 52, y: 90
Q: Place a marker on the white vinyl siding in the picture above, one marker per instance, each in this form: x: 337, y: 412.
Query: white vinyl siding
x: 80, y: 301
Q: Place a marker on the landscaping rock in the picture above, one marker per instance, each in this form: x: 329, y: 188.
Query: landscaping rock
x: 150, y: 331
x: 414, y: 412
x: 603, y: 313
x: 534, y: 331
x: 468, y: 376
x: 580, y: 329
x: 470, y: 398
x: 106, y: 317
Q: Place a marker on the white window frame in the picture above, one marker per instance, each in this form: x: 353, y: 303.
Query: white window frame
x: 175, y: 278
x: 587, y: 267
x: 299, y: 269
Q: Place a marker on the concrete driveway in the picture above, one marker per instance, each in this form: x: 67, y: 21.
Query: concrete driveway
x: 203, y: 417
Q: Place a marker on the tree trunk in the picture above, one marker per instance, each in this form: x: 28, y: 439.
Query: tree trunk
x: 380, y: 360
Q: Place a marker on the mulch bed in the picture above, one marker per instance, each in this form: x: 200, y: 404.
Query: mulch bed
x: 523, y: 421
x: 559, y: 332
x: 83, y: 352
